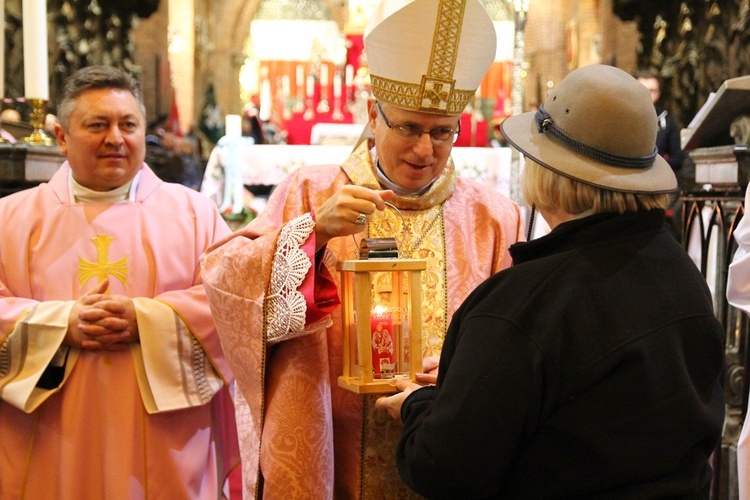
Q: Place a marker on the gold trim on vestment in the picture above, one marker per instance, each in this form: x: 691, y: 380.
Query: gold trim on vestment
x: 426, y: 229
x: 423, y: 227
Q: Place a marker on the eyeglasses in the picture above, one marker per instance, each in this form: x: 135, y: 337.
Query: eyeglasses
x: 413, y: 133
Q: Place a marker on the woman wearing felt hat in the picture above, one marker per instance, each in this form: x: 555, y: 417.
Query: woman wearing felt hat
x: 592, y: 367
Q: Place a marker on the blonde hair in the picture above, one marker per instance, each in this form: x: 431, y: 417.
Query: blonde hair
x: 551, y: 191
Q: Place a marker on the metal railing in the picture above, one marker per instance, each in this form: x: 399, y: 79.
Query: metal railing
x: 708, y: 224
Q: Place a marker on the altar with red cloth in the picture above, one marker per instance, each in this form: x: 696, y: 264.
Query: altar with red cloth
x: 299, y: 130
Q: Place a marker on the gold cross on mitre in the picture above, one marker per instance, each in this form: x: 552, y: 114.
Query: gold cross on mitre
x: 102, y: 268
x: 436, y: 93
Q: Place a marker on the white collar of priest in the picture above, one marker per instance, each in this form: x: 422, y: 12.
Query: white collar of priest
x: 82, y: 194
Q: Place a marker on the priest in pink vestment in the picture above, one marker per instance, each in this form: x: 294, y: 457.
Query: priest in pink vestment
x: 272, y: 285
x: 113, y: 383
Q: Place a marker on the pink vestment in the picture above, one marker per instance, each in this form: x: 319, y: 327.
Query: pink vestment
x: 298, y: 429
x: 92, y: 437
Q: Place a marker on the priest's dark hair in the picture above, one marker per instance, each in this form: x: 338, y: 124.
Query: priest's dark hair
x: 95, y: 77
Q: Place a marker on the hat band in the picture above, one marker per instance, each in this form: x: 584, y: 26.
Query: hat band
x: 432, y: 95
x: 545, y: 125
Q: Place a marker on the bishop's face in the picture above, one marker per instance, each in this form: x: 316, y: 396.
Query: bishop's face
x: 105, y: 138
x: 410, y: 162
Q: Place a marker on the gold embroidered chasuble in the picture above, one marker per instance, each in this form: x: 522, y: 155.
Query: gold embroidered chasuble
x: 305, y: 435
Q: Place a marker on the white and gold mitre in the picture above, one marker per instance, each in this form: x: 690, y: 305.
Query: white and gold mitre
x: 429, y: 55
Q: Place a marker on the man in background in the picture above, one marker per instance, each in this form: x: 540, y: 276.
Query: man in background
x: 668, y: 144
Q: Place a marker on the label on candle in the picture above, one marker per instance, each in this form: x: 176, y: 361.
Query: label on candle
x: 383, y: 360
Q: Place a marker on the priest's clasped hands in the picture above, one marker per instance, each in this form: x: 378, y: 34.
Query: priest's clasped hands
x: 100, y: 321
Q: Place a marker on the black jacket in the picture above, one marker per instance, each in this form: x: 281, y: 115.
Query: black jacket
x: 590, y: 369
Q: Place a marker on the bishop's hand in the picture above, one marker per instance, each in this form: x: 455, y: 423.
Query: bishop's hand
x: 347, y: 212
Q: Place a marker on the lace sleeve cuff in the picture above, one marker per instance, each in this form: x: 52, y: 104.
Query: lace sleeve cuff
x: 285, y: 304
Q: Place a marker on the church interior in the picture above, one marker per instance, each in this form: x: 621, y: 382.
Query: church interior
x: 295, y: 72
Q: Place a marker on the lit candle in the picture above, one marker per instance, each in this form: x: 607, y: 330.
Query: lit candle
x: 36, y: 77
x: 233, y: 126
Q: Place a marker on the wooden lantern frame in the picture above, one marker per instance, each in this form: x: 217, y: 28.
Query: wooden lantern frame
x: 361, y: 288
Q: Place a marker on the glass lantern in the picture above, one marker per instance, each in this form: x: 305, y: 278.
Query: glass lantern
x: 382, y: 318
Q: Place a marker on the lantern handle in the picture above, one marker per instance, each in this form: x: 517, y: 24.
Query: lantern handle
x: 403, y: 225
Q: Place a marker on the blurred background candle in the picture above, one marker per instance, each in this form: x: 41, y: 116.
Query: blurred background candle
x: 266, y: 101
x: 299, y: 83
x: 35, y: 74
x: 285, y: 86
x: 309, y: 113
x: 300, y: 78
x: 234, y: 197
x: 324, y: 75
x: 233, y: 126
x: 338, y: 115
x: 349, y: 80
x: 310, y: 86
x: 336, y: 85
x: 283, y: 99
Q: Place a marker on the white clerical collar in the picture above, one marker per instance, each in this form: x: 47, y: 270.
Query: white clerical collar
x: 82, y: 194
x: 388, y: 184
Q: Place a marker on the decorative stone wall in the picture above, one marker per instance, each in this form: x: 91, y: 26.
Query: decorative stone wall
x: 82, y: 33
x: 694, y: 44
